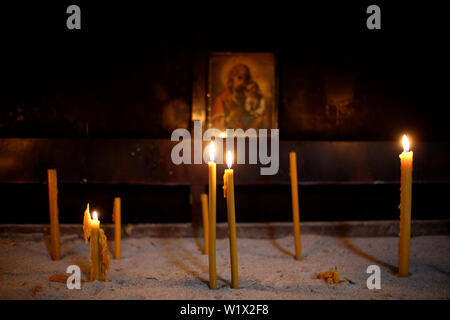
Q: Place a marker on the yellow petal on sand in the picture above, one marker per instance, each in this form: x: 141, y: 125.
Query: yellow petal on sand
x: 128, y: 229
x: 330, y: 276
x: 86, y: 224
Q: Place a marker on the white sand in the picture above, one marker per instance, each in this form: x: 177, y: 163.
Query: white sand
x: 175, y: 268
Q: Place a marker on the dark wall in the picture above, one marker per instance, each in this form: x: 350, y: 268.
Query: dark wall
x: 128, y: 72
x: 59, y: 84
x: 156, y: 204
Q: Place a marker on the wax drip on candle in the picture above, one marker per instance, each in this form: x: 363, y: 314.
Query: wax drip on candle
x: 405, y: 142
x: 86, y: 224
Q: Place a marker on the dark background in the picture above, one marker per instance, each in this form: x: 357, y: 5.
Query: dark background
x: 128, y: 74
x: 128, y: 71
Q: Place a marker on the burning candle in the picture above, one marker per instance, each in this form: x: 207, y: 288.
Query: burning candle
x: 228, y: 188
x: 99, y: 257
x: 295, y: 209
x: 406, y: 161
x: 212, y: 218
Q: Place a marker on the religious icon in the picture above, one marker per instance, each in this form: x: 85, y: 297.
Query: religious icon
x: 242, y: 91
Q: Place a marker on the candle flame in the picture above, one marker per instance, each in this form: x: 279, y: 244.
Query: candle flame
x: 229, y: 159
x: 211, y: 151
x: 223, y: 134
x: 405, y: 143
x: 95, y: 216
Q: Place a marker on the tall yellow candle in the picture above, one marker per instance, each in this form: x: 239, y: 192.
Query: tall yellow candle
x: 55, y: 250
x: 99, y: 256
x: 295, y: 208
x: 117, y: 226
x: 406, y: 161
x: 204, y: 201
x: 228, y: 184
x: 212, y: 219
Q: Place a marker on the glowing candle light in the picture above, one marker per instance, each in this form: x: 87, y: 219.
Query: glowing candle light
x: 99, y: 257
x: 229, y: 159
x: 212, y: 151
x: 228, y: 187
x: 406, y: 161
x: 212, y: 218
x: 223, y: 134
x: 405, y: 143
